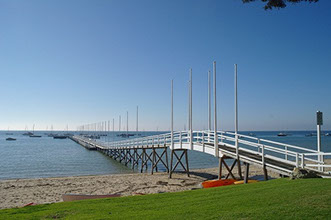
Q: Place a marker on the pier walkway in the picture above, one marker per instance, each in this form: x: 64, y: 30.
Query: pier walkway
x: 244, y: 150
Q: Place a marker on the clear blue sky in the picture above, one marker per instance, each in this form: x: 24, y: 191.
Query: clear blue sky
x: 76, y: 62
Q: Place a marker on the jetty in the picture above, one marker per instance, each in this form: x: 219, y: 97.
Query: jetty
x: 85, y: 142
x: 242, y: 149
x: 229, y: 147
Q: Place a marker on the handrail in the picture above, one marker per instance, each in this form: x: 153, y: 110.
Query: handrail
x: 286, y: 153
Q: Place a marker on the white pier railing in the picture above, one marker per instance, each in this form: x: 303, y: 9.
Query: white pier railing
x: 274, y: 155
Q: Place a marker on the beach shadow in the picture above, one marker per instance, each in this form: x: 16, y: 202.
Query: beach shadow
x: 209, y: 176
x: 204, y: 175
x: 260, y: 177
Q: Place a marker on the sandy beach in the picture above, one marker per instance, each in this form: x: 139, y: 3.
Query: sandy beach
x: 17, y: 193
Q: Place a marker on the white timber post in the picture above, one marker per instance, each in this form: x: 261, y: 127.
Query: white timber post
x: 137, y: 120
x: 236, y: 109
x: 119, y: 123
x: 180, y: 140
x: 191, y: 126
x: 127, y: 124
x: 319, y: 116
x: 113, y: 129
x: 209, y: 107
x: 172, y: 114
x: 215, y: 114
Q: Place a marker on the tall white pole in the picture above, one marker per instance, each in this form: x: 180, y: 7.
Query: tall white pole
x: 108, y: 131
x: 172, y: 114
x: 191, y: 126
x: 113, y: 129
x: 209, y: 102
x: 319, y: 123
x: 119, y: 125
x: 215, y: 114
x: 127, y: 124
x: 137, y: 120
x: 189, y: 107
x: 236, y: 108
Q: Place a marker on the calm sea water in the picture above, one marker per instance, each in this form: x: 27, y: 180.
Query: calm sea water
x: 47, y: 157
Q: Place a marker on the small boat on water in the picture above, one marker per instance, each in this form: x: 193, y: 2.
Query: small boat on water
x: 68, y: 134
x: 8, y: 132
x: 27, y: 134
x: 311, y: 135
x: 60, y: 137
x: 125, y: 135
x: 35, y: 136
x: 281, y: 134
x: 10, y: 139
x: 327, y: 134
x: 92, y: 136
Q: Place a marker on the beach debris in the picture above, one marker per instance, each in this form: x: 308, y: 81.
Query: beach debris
x: 29, y: 204
x: 299, y: 173
x: 139, y: 194
x: 189, y: 183
x: 248, y: 181
x: 163, y: 183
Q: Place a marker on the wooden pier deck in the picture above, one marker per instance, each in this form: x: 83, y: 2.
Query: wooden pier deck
x: 152, y: 151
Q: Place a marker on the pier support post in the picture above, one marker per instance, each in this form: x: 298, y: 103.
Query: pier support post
x: 171, y: 160
x: 220, y: 163
x: 265, y: 173
x: 157, y: 158
x: 135, y: 158
x: 223, y: 162
x: 239, y: 168
x: 179, y: 161
x: 147, y: 157
x: 153, y: 163
x: 142, y: 160
x: 166, y: 156
x: 128, y: 157
x: 246, y: 172
x: 231, y: 168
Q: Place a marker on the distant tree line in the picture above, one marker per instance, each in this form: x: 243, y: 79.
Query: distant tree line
x: 270, y: 4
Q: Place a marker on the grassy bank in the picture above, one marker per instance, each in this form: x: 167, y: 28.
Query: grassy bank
x: 281, y: 198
